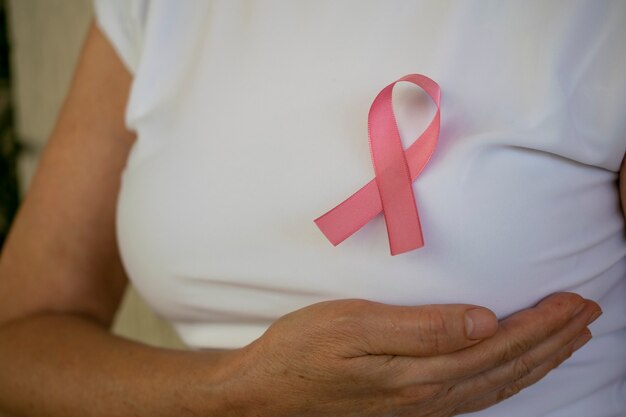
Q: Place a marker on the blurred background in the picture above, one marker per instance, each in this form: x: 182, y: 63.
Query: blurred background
x: 39, y: 44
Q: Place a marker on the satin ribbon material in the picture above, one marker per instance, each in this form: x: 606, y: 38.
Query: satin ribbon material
x: 390, y: 191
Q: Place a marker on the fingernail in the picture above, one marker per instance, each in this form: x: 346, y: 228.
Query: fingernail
x: 594, y: 316
x: 480, y: 323
x: 582, y: 340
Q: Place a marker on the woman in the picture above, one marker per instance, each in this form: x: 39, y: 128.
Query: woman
x: 199, y: 141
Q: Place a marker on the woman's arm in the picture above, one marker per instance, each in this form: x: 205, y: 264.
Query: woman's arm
x: 61, y: 279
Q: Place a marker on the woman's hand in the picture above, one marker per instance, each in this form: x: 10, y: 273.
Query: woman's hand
x: 360, y: 358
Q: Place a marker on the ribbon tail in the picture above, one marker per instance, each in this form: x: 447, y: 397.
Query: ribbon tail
x: 343, y: 220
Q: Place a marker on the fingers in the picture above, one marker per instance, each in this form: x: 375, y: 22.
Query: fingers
x: 382, y: 329
x: 518, y: 334
x: 534, y: 376
x: 536, y: 362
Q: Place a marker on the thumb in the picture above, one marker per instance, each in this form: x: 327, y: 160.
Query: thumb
x: 426, y: 330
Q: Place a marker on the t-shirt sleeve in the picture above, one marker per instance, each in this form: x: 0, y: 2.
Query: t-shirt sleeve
x: 120, y: 23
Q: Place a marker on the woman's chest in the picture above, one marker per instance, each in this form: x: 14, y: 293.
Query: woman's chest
x: 263, y: 128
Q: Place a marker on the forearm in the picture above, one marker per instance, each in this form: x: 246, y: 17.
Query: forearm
x: 68, y: 365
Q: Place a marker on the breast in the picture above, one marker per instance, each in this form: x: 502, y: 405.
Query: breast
x: 215, y: 213
x: 218, y: 225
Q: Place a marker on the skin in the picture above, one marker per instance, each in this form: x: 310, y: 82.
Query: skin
x: 61, y: 282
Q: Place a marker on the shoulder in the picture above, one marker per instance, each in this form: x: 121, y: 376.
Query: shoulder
x: 123, y: 22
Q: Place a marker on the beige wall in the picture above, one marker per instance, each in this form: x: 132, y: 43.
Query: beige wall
x: 46, y: 36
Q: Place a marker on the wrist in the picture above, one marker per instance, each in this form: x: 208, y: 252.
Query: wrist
x: 220, y: 385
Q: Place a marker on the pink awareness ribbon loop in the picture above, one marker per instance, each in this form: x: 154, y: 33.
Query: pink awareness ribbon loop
x: 390, y: 191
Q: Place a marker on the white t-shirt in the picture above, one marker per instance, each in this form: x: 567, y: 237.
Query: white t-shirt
x: 252, y: 122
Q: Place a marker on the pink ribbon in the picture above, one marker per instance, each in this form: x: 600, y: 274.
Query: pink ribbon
x: 390, y: 191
